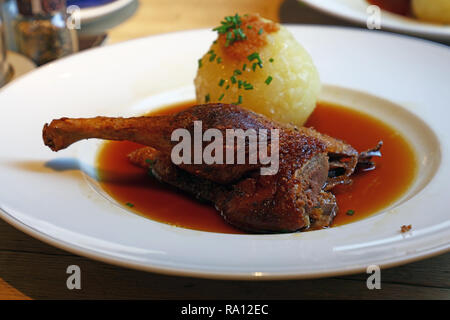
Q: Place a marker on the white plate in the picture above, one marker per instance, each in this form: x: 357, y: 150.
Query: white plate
x: 356, y: 11
x: 54, y: 197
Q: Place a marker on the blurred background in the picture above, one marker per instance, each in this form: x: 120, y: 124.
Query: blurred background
x: 35, y: 32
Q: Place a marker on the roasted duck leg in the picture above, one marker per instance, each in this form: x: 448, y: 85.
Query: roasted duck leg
x: 294, y: 198
x: 156, y: 132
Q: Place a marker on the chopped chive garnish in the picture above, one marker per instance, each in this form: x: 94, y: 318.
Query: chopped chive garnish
x: 271, y: 60
x: 150, y: 166
x: 256, y: 64
x: 268, y: 80
x: 221, y: 96
x: 239, y: 101
x: 244, y: 67
x: 253, y: 56
x: 129, y: 204
x: 231, y: 26
x: 260, y: 31
x: 213, y: 55
x: 248, y: 86
x: 207, y: 98
x: 199, y: 63
x: 237, y: 72
x: 240, y: 82
x: 231, y: 22
x: 219, y: 59
x: 221, y: 82
x: 249, y: 27
x: 233, y: 79
x: 350, y: 212
x: 227, y: 87
x: 241, y: 34
x: 150, y: 163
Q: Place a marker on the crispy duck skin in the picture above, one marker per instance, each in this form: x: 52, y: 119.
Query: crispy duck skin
x: 296, y: 197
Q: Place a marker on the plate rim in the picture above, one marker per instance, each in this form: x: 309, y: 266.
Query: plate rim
x: 244, y: 276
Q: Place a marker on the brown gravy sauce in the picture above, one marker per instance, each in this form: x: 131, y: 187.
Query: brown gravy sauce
x: 370, y: 192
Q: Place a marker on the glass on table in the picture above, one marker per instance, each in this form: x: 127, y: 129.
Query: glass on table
x: 5, y: 68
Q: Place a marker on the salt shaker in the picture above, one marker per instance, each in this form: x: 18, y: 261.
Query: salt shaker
x: 41, y: 31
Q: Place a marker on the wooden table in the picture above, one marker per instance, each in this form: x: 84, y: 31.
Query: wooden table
x: 32, y: 269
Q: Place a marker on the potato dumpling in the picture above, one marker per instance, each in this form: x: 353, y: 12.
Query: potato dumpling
x: 432, y: 10
x: 258, y: 64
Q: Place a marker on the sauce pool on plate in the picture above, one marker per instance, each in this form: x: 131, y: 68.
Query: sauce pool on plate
x: 370, y: 192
